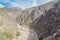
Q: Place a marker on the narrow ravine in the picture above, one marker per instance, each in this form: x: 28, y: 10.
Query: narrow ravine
x: 26, y: 34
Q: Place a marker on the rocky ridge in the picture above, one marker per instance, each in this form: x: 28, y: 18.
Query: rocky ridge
x: 44, y: 19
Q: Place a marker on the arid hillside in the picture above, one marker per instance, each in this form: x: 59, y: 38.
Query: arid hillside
x: 40, y: 21
x: 8, y: 26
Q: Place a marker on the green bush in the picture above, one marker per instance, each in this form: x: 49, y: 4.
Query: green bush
x: 41, y: 38
x: 5, y: 35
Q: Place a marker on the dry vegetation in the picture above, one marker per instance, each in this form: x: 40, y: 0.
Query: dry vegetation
x: 8, y: 29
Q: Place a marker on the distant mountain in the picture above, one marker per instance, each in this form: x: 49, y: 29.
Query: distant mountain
x: 1, y: 6
x: 17, y: 8
x: 9, y: 12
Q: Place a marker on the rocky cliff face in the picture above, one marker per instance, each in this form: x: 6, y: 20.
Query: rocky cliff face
x: 31, y: 14
x: 44, y: 19
x: 48, y: 24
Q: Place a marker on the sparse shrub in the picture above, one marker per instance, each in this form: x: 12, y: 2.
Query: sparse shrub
x: 5, y: 35
x: 18, y: 33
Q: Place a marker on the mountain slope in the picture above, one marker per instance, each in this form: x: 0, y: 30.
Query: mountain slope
x: 49, y: 23
x: 44, y: 19
x: 10, y: 13
x: 8, y: 25
x: 31, y: 14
